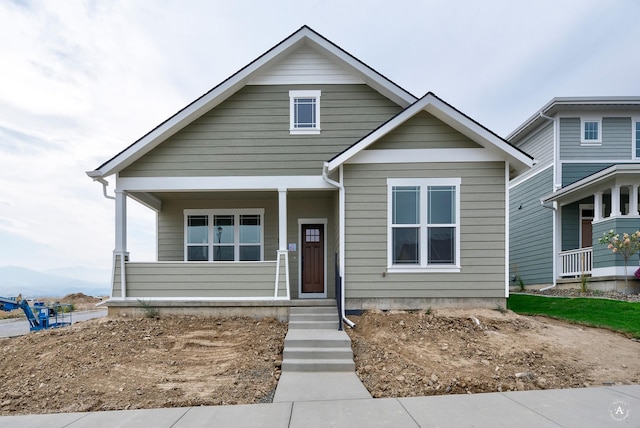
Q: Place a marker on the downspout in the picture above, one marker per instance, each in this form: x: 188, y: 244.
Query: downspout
x: 341, y: 234
x: 104, y: 183
x: 554, y: 207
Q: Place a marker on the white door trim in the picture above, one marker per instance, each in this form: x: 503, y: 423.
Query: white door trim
x: 301, y: 222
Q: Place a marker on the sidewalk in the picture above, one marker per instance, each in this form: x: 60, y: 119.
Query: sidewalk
x: 616, y: 406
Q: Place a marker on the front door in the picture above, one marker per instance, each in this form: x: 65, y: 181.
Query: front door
x: 312, y: 258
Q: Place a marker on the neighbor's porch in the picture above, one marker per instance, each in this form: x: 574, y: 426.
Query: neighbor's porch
x: 583, y: 212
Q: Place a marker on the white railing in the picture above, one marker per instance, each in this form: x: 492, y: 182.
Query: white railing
x: 576, y: 262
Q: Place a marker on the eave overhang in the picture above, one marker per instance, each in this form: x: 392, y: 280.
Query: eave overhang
x: 518, y: 160
x: 619, y: 174
x: 218, y: 94
x: 573, y: 104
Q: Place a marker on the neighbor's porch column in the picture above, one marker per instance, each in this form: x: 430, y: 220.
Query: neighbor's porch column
x: 121, y: 222
x: 633, y: 199
x: 597, y: 206
x: 615, y: 201
x: 282, y: 217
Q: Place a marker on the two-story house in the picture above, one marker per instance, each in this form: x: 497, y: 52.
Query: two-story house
x: 583, y: 184
x: 309, y: 175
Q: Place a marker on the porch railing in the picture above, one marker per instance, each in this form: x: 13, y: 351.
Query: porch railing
x: 576, y: 262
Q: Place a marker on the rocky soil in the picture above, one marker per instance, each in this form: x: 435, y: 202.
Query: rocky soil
x: 131, y: 363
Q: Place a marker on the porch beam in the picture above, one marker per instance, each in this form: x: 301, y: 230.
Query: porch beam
x: 207, y: 184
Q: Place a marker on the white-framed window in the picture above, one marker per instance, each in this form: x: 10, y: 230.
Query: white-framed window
x: 304, y: 112
x: 423, y: 225
x: 590, y: 131
x: 635, y: 135
x: 224, y: 235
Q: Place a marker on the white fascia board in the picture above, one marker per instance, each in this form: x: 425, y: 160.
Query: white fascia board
x: 203, y: 184
x: 458, y: 121
x: 237, y: 81
x: 424, y: 156
x: 374, y: 136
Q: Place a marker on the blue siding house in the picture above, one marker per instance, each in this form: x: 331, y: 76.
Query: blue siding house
x: 584, y: 183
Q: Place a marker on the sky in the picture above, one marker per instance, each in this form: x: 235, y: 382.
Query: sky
x: 81, y: 80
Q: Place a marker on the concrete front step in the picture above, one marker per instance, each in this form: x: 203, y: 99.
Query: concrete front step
x: 324, y: 365
x: 316, y: 339
x: 313, y: 317
x: 313, y: 325
x: 295, y: 310
x: 317, y: 353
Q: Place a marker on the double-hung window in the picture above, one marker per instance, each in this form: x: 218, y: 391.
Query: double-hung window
x: 424, y: 224
x: 304, y: 112
x: 224, y: 235
x: 590, y: 131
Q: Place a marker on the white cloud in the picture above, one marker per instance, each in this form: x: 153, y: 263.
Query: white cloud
x: 84, y: 79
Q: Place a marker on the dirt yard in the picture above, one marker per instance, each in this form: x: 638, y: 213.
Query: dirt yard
x: 127, y: 363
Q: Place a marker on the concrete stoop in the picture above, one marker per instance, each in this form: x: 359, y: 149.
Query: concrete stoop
x: 314, y: 344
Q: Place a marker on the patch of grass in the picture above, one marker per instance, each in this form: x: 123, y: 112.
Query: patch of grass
x: 612, y: 314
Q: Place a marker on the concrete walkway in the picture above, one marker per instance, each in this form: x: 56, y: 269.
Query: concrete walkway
x: 617, y: 406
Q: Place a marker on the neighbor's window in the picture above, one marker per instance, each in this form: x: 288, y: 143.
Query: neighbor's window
x: 591, y: 131
x: 304, y: 112
x: 424, y: 229
x: 224, y: 235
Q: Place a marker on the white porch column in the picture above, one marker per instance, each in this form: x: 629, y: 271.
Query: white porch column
x: 121, y: 222
x: 597, y: 206
x: 282, y: 217
x: 633, y: 199
x: 615, y: 201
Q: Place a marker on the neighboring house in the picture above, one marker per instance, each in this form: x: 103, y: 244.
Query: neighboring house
x: 585, y: 183
x: 307, y: 167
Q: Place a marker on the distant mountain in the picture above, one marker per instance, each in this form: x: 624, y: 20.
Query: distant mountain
x: 16, y: 280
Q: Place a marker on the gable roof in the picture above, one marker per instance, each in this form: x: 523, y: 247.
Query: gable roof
x: 305, y: 36
x: 586, y: 104
x: 453, y: 117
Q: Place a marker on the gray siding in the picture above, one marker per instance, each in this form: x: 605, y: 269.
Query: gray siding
x: 424, y: 131
x: 616, y: 140
x: 572, y: 172
x: 248, y: 134
x: 531, y: 231
x: 193, y: 280
x: 482, y: 224
x: 571, y: 226
x: 602, y: 256
x: 321, y: 204
x: 539, y: 145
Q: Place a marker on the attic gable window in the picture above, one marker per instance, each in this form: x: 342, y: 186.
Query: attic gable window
x: 591, y: 131
x: 304, y: 112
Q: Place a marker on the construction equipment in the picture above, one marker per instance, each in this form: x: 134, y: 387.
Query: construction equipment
x: 41, y: 316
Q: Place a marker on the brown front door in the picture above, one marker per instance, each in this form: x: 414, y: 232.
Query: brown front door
x: 313, y: 258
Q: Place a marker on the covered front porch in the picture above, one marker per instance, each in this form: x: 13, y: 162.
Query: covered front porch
x: 583, y: 212
x: 245, y: 245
